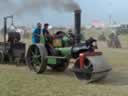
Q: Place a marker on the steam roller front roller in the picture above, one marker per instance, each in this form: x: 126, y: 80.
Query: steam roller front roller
x: 91, y: 67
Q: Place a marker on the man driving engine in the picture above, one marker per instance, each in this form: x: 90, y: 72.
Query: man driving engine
x: 48, y: 39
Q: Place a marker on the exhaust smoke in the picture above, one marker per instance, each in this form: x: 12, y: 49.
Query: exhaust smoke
x: 36, y: 6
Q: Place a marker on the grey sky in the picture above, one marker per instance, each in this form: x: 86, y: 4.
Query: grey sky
x: 91, y: 10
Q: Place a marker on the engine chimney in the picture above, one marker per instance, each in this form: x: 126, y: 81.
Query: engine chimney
x: 77, y: 25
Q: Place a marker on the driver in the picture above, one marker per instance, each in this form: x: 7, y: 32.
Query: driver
x: 45, y: 30
x: 48, y: 39
x: 46, y: 33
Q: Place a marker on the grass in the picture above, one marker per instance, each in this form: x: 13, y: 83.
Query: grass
x: 19, y: 81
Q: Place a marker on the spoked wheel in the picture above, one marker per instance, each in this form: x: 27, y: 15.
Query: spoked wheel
x: 61, y: 67
x: 36, y: 58
x: 85, y: 73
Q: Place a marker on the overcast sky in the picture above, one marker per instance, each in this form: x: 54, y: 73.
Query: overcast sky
x: 91, y: 10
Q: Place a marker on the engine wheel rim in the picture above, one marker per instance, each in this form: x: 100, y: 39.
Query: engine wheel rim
x: 36, y: 58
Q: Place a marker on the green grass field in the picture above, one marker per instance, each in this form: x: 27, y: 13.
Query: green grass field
x: 19, y: 81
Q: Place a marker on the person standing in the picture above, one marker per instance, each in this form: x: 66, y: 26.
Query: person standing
x: 48, y: 40
x: 46, y: 33
x: 36, y: 33
x: 45, y: 30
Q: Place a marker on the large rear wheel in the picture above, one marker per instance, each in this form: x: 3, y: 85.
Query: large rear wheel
x: 36, y: 58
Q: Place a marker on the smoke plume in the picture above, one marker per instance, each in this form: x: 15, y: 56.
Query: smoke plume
x: 35, y: 6
x: 6, y: 5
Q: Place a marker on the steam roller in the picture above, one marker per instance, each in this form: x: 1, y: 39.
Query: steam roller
x: 88, y: 65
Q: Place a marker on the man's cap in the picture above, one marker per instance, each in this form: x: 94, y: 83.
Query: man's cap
x: 46, y: 24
